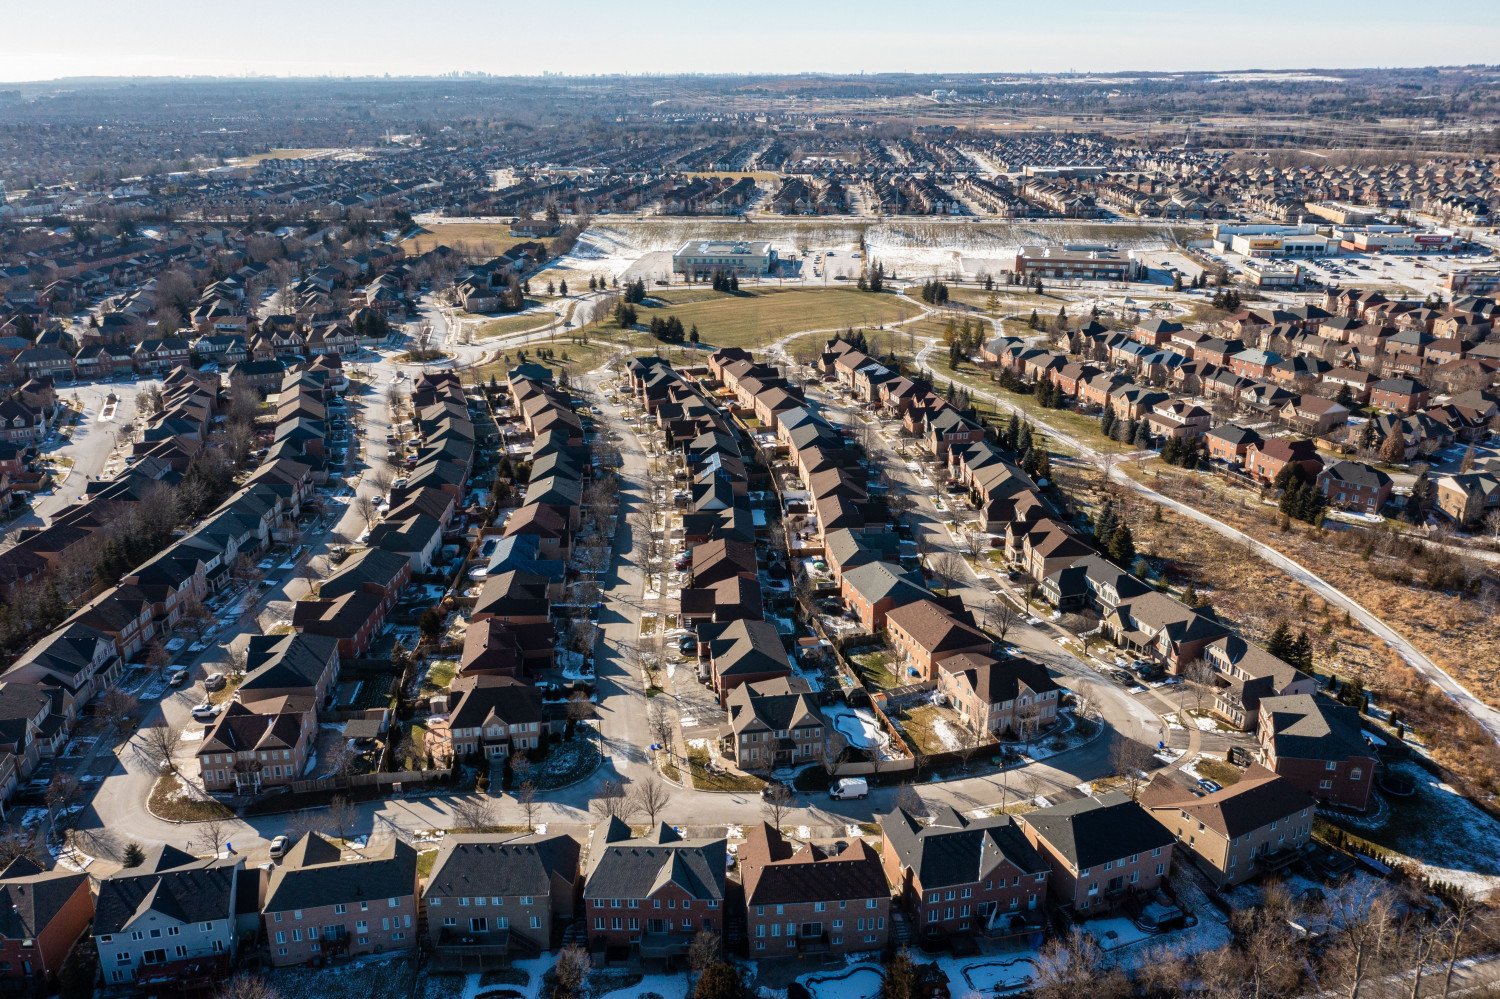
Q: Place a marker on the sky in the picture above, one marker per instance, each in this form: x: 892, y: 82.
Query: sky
x: 60, y: 38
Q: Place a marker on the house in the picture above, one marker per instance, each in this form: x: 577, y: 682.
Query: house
x: 964, y: 875
x: 489, y: 896
x: 169, y: 919
x: 352, y: 604
x: 649, y: 896
x: 43, y: 914
x: 1319, y: 745
x: 924, y: 633
x: 808, y: 900
x: 1314, y: 415
x: 320, y: 905
x: 245, y: 751
x: 775, y: 723
x: 1231, y: 443
x: 1243, y: 674
x: 1353, y: 485
x: 492, y: 716
x: 1468, y: 498
x: 745, y: 652
x: 1100, y: 849
x: 1259, y: 824
x: 1167, y: 630
x: 1265, y: 461
x: 1398, y: 395
x: 1012, y: 695
x: 288, y: 669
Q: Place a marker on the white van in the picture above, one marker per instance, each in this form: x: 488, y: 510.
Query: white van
x: 850, y: 788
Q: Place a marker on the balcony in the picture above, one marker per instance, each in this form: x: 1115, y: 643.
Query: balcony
x: 665, y: 945
x: 482, y: 943
x: 813, y: 943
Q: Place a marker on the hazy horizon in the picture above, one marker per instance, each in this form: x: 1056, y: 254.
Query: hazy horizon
x: 376, y: 38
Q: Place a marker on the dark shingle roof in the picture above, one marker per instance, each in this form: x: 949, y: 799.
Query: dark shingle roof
x: 493, y: 865
x: 1090, y: 831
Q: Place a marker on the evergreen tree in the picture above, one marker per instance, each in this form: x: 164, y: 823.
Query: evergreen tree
x: 1034, y: 322
x: 1142, y: 438
x: 1301, y: 652
x: 1012, y: 433
x: 900, y: 981
x: 1107, y: 421
x: 1345, y: 397
x: 1280, y: 644
x: 1062, y: 318
x: 1122, y: 547
x: 1025, y: 440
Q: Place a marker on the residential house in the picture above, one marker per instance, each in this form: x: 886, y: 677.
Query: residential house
x: 964, y: 875
x: 169, y: 920
x: 1100, y: 849
x: 491, y: 896
x: 492, y: 716
x: 1265, y: 461
x: 774, y: 724
x: 924, y: 633
x: 1353, y: 485
x: 321, y: 906
x: 1012, y: 696
x: 650, y: 896
x: 1257, y: 825
x: 43, y: 914
x: 812, y: 901
x: 1319, y: 745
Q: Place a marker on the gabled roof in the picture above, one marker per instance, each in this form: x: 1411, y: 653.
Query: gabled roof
x: 313, y: 873
x: 954, y: 850
x: 30, y: 897
x: 775, y: 873
x: 1091, y: 830
x: 1259, y: 798
x: 626, y: 868
x: 169, y: 882
x: 495, y: 865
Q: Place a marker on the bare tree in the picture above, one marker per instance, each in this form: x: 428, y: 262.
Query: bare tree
x: 652, y: 794
x: 776, y: 802
x: 343, y: 815
x: 364, y: 508
x: 948, y: 566
x: 119, y: 707
x: 569, y: 973
x: 526, y: 798
x: 659, y: 723
x: 612, y: 802
x: 247, y: 986
x: 1130, y: 759
x: 211, y: 835
x: 158, y: 746
x: 1365, y: 945
x: 971, y: 738
x: 1068, y: 966
x: 1002, y: 616
x: 473, y: 814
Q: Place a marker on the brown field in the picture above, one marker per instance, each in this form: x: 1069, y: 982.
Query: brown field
x: 1249, y: 593
x: 481, y: 239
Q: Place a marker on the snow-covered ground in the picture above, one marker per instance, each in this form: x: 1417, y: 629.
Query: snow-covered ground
x: 859, y: 982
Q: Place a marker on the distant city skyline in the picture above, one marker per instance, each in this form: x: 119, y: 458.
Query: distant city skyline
x: 378, y: 37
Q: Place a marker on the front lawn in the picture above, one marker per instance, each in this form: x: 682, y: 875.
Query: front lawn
x: 567, y: 763
x: 171, y: 799
x: 726, y: 780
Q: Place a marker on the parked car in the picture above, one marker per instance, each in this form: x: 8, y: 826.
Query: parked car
x: 178, y: 676
x: 279, y: 846
x: 1210, y: 785
x: 206, y: 712
x: 214, y: 681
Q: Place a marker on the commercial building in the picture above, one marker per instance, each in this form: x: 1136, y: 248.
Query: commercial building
x: 1086, y: 261
x: 699, y: 258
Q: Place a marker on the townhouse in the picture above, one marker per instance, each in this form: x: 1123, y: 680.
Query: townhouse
x: 956, y: 874
x: 1257, y: 825
x: 490, y: 897
x: 320, y: 905
x: 1319, y: 745
x: 1011, y: 696
x: 43, y: 915
x: 808, y: 900
x: 169, y: 920
x: 774, y: 724
x: 352, y: 603
x: 649, y: 896
x: 925, y: 632
x: 1353, y: 485
x: 1099, y: 849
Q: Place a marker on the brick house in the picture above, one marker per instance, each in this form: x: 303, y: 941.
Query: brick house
x: 648, y: 896
x: 1007, y: 695
x: 245, y: 751
x: 319, y: 905
x: 925, y: 632
x: 1258, y: 824
x: 1398, y: 395
x: 775, y: 723
x: 810, y: 900
x: 1231, y: 443
x: 492, y: 716
x: 1319, y: 745
x: 745, y: 652
x: 1100, y: 850
x: 1353, y: 485
x: 42, y: 915
x: 490, y: 896
x: 1264, y: 461
x: 352, y: 604
x: 960, y: 875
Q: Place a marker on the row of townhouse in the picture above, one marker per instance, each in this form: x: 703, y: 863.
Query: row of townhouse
x: 1349, y: 485
x: 1070, y: 574
x: 492, y: 708
x: 936, y: 638
x: 44, y: 691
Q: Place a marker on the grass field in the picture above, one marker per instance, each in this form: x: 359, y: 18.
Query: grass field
x: 755, y: 318
x: 506, y: 325
x: 487, y: 239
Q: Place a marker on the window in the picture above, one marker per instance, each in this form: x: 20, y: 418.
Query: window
x: 871, y: 903
x: 281, y: 936
x: 1325, y: 784
x: 1354, y: 774
x: 340, y: 908
x: 818, y: 907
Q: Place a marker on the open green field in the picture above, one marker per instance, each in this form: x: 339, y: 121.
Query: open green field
x: 486, y: 239
x: 756, y: 318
